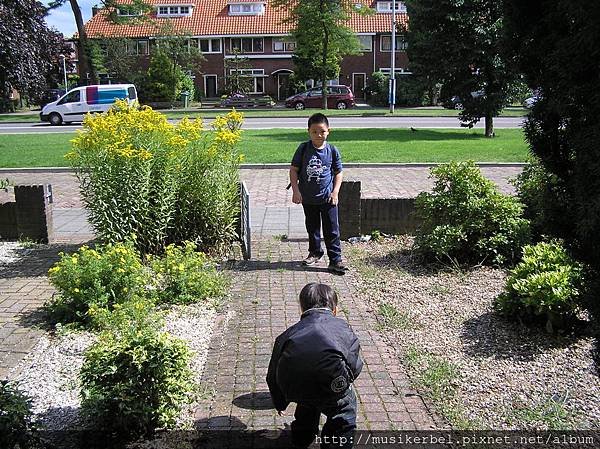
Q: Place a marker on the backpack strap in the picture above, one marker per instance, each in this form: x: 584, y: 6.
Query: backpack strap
x: 302, y: 151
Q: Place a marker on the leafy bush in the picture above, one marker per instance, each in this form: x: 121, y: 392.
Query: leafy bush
x: 141, y: 175
x: 186, y: 276
x: 545, y: 285
x: 135, y: 378
x: 16, y: 417
x: 377, y: 89
x: 545, y: 201
x: 465, y: 219
x: 97, y: 278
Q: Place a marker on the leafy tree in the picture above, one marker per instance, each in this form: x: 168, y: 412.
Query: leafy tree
x: 29, y: 51
x: 555, y: 44
x: 235, y: 81
x: 322, y: 38
x: 160, y: 83
x: 111, y: 56
x: 459, y: 44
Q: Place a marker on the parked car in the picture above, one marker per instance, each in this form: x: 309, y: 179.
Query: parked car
x: 75, y: 104
x: 530, y: 102
x: 339, y: 97
x: 456, y: 102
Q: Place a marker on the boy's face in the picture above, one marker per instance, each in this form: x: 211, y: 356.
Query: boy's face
x: 318, y: 133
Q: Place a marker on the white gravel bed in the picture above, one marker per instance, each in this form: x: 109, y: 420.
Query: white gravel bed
x: 10, y: 252
x: 49, y: 373
x: 507, y: 375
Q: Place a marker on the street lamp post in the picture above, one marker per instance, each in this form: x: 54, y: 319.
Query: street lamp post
x: 393, y: 61
x: 64, y: 64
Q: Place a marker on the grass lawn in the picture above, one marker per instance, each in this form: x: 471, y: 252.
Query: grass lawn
x: 359, y: 112
x: 278, y: 145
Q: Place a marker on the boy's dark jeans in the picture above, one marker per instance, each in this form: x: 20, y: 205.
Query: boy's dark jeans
x: 338, y: 430
x: 326, y: 213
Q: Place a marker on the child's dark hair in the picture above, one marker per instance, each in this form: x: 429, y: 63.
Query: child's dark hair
x: 317, y: 119
x: 315, y: 295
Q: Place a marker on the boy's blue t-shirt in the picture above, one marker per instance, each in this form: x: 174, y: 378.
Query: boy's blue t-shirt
x: 317, y: 170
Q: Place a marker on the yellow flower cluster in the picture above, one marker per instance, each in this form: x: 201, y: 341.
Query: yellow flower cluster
x: 228, y: 128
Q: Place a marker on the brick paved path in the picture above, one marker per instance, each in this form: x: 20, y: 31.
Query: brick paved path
x: 264, y: 304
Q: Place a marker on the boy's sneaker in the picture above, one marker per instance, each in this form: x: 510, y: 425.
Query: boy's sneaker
x: 337, y: 267
x: 312, y: 259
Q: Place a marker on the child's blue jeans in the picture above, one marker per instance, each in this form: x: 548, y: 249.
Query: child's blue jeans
x: 338, y: 430
x: 326, y: 214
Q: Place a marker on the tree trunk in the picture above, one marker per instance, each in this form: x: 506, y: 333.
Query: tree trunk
x: 324, y: 62
x: 82, y: 51
x: 489, y: 125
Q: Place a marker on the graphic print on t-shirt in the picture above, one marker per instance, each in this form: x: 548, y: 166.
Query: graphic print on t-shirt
x: 314, y: 169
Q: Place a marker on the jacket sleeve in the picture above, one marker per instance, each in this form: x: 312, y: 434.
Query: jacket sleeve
x: 353, y: 358
x: 276, y: 394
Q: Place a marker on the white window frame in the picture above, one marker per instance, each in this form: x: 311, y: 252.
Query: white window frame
x: 366, y: 49
x: 210, y: 45
x: 246, y: 9
x: 174, y: 10
x: 398, y: 70
x: 386, y: 7
x: 241, y: 50
x: 289, y: 45
x: 399, y: 40
x: 124, y: 11
x: 137, y: 46
x: 255, y: 74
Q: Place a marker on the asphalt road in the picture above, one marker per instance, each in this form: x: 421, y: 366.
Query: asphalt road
x: 298, y: 122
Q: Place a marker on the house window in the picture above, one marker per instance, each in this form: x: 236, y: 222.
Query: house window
x: 283, y: 45
x: 174, y: 11
x: 210, y: 45
x: 247, y: 45
x: 397, y: 71
x: 387, y: 7
x: 143, y: 47
x: 124, y: 11
x: 248, y: 9
x: 386, y: 43
x: 366, y: 43
x: 258, y: 78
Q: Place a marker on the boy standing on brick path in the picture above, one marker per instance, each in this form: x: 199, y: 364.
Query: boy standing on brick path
x: 316, y: 178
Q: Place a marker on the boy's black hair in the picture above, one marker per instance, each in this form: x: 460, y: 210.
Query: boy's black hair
x: 317, y: 119
x: 315, y: 295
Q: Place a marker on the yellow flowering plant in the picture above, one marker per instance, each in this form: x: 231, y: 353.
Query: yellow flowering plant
x: 138, y: 173
x: 185, y: 276
x: 95, y: 279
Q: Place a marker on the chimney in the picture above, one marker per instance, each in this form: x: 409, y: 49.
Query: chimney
x: 95, y: 10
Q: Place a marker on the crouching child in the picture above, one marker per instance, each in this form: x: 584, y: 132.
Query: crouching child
x: 314, y: 364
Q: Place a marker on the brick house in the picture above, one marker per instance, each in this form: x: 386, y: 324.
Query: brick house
x: 257, y: 31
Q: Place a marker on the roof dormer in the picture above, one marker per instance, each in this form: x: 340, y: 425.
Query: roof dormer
x: 246, y: 7
x: 175, y: 10
x: 387, y: 7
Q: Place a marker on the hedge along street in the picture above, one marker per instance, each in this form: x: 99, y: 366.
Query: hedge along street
x: 277, y: 146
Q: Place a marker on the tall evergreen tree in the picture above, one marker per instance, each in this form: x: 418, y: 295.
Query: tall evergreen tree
x: 459, y: 44
x: 322, y: 37
x: 556, y: 45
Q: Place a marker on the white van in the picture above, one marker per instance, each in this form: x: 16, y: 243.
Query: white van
x: 73, y: 106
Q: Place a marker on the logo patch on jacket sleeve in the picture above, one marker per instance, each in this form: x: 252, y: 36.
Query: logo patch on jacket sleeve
x: 339, y: 384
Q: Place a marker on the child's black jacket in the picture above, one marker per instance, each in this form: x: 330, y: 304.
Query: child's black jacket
x: 314, y: 361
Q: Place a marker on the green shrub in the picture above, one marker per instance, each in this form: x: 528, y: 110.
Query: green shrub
x: 16, y: 417
x: 545, y: 201
x: 97, y: 278
x: 165, y: 183
x: 544, y: 286
x: 135, y: 378
x: 466, y: 219
x: 186, y: 276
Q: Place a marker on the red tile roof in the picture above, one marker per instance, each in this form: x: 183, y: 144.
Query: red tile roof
x: 211, y: 18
